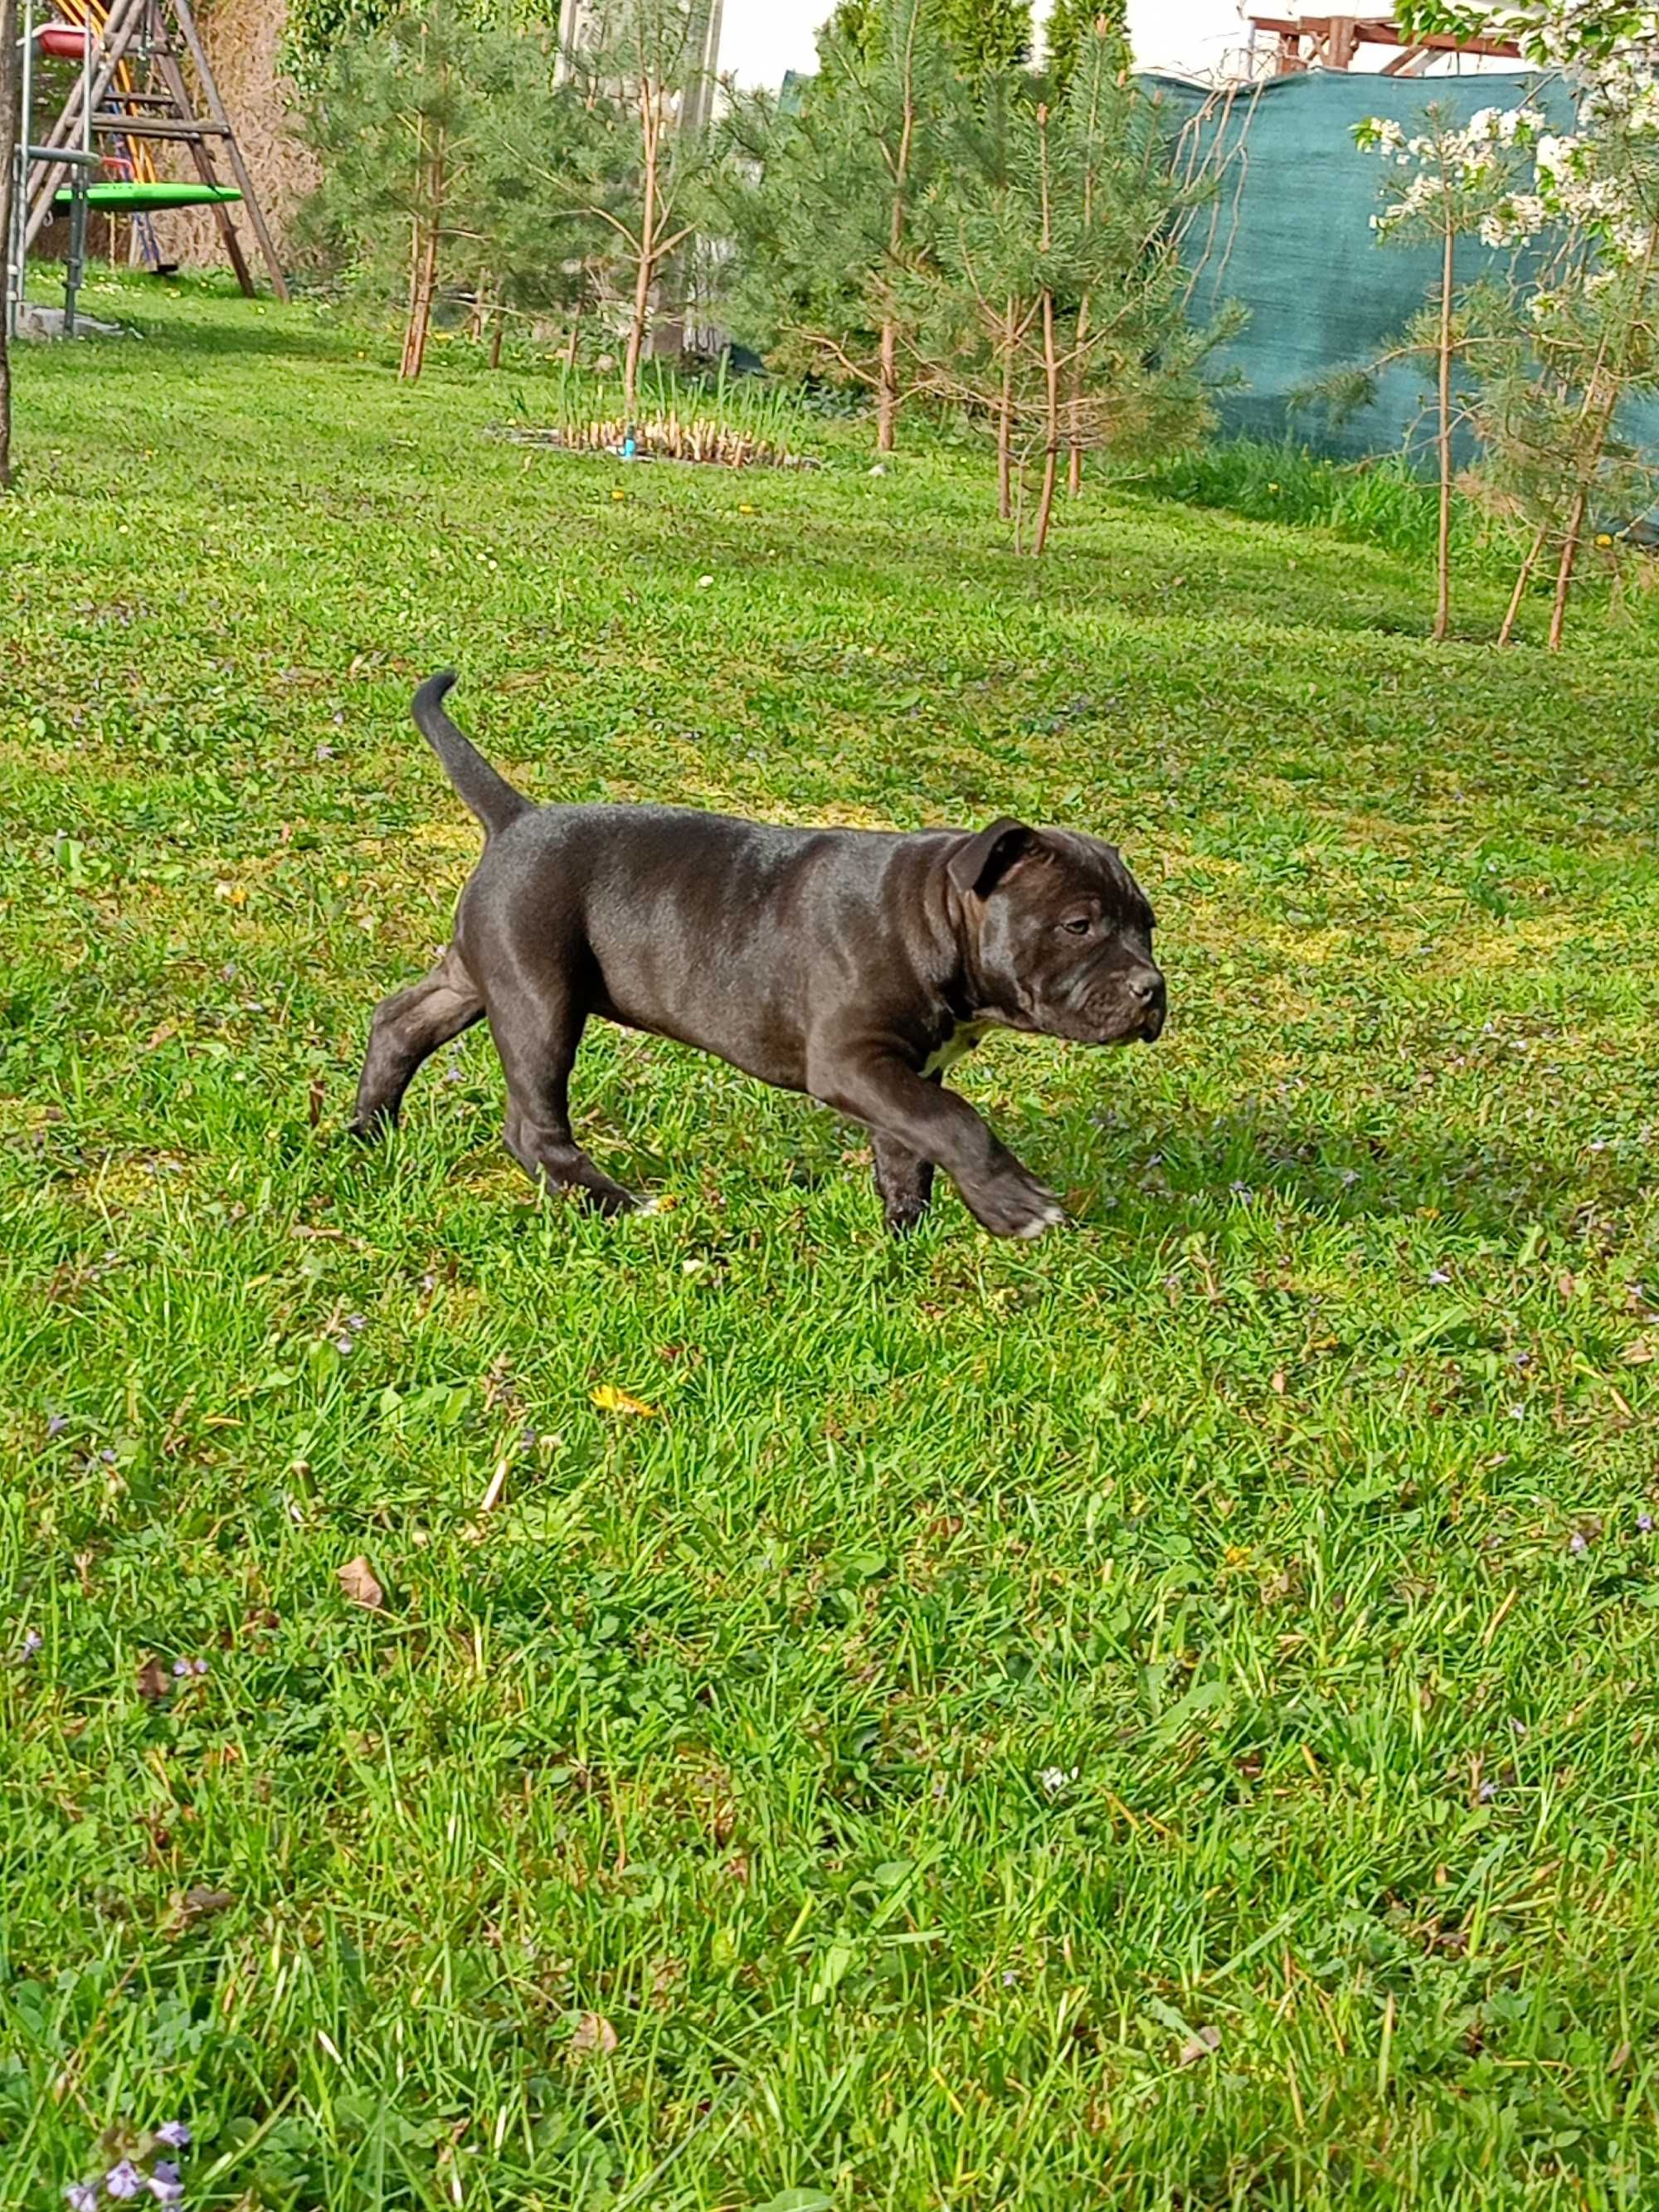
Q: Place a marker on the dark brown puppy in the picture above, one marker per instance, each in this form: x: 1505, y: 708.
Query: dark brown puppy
x: 852, y: 964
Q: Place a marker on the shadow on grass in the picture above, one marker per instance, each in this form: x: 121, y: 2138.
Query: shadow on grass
x: 174, y: 338
x: 1191, y: 1176
x: 1170, y: 1183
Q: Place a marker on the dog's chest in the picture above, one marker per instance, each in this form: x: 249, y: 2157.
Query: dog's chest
x: 961, y: 1042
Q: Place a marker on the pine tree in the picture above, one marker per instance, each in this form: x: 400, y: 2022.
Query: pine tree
x: 634, y: 180
x: 1058, y: 298
x: 982, y: 37
x: 1071, y: 24
x: 410, y: 124
x: 831, y: 224
x: 985, y: 38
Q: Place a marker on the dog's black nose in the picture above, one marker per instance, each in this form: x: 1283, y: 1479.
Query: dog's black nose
x: 1147, y: 990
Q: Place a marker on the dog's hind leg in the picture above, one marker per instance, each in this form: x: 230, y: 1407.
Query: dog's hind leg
x: 407, y: 1028
x: 536, y: 1038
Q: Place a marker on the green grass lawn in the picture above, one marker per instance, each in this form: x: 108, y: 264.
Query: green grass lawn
x: 1165, y: 1716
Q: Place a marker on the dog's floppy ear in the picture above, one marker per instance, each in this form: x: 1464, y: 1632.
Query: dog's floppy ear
x: 980, y: 861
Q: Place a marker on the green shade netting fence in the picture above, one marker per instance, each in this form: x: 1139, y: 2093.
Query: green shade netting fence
x: 1289, y: 237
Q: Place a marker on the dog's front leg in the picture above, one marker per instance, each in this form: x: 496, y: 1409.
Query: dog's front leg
x: 937, y: 1126
x: 904, y: 1181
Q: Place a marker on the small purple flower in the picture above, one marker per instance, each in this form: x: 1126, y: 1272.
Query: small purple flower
x: 181, y: 1666
x: 164, y: 2186
x: 1010, y: 1978
x: 428, y: 1282
x: 55, y: 1427
x: 184, y: 1667
x: 1516, y: 1728
x: 325, y: 752
x: 344, y: 1346
x: 32, y: 1640
x: 354, y: 1321
x: 1439, y: 1276
x: 1350, y: 1177
x: 107, y: 1456
x: 1487, y: 1792
x: 174, y: 2134
x: 1644, y: 1524
x: 123, y: 2180
x: 82, y: 2196
x: 1239, y: 1189
x: 1579, y: 1541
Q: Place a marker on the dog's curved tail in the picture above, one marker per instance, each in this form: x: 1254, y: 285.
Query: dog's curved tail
x: 491, y: 797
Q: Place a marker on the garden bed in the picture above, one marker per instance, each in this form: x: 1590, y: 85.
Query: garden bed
x: 664, y: 438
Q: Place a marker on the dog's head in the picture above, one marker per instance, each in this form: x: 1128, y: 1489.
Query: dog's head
x: 1059, y: 935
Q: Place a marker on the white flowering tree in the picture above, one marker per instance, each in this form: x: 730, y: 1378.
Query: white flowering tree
x: 1582, y: 219
x: 1554, y: 34
x: 1449, y: 180
x: 1594, y: 314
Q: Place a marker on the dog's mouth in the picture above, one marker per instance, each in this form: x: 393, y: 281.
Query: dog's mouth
x: 1144, y: 1026
x: 1136, y: 1023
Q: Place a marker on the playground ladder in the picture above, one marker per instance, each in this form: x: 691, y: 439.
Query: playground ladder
x: 154, y: 36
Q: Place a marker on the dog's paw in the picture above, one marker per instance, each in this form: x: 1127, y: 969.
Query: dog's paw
x: 1016, y: 1204
x: 613, y: 1201
x: 904, y: 1220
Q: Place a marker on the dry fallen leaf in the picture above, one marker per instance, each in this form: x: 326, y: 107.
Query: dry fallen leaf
x: 154, y: 1681
x: 594, y: 2032
x: 357, y: 1580
x: 1638, y: 1354
x: 186, y: 1907
x: 1280, y: 1381
x: 1205, y: 2042
x: 610, y: 1399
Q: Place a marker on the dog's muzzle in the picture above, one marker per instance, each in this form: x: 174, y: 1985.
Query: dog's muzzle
x: 1149, y: 1002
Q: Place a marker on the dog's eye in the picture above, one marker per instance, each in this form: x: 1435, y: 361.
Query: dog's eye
x: 1078, y: 926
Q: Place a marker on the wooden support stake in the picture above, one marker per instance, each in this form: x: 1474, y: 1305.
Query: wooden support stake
x: 186, y: 23
x: 173, y: 77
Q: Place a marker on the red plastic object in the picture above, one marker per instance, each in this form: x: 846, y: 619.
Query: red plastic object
x: 67, y: 41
